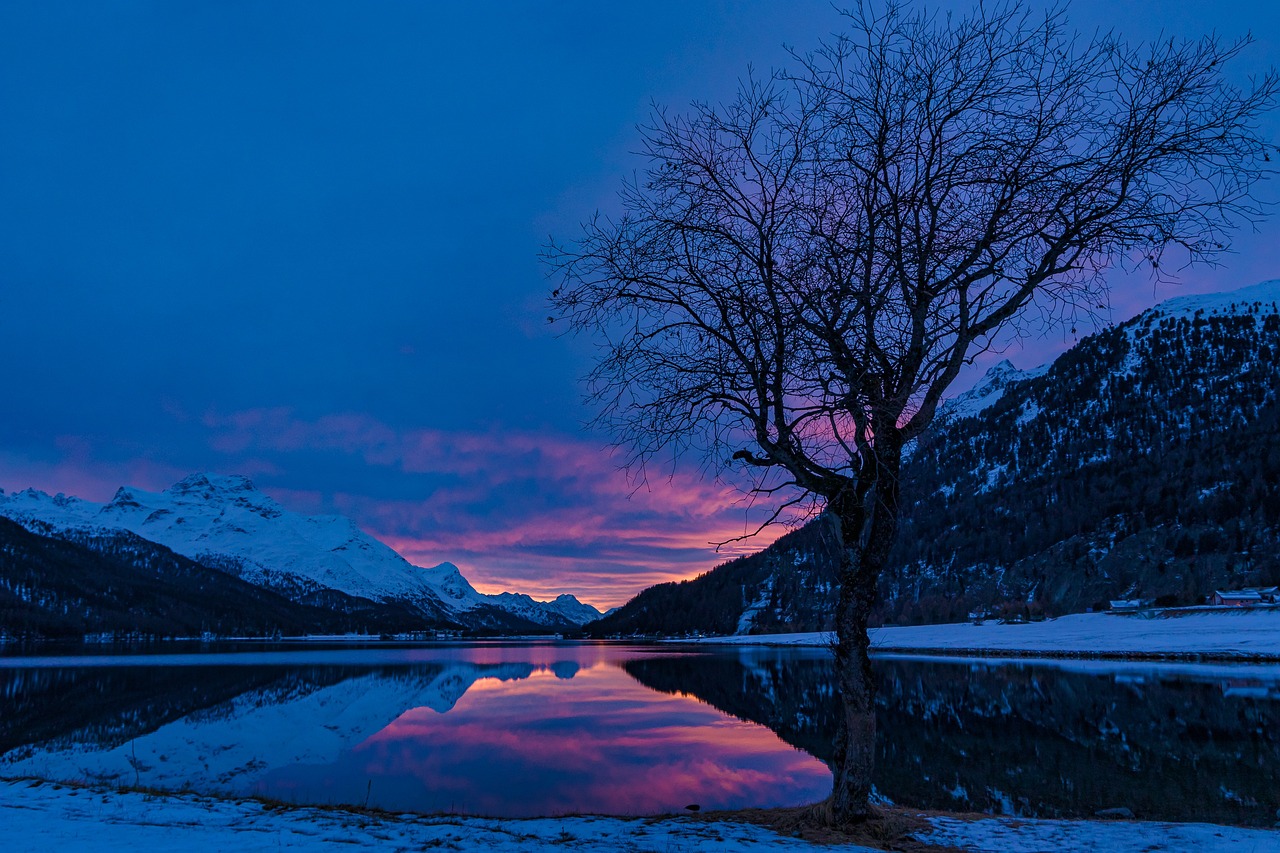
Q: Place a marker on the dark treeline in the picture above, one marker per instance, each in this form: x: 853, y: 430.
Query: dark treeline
x: 125, y: 585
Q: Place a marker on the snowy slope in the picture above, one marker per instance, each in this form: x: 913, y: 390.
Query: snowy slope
x: 989, y: 389
x: 566, y: 606
x: 1259, y: 298
x: 227, y: 523
x: 1264, y: 297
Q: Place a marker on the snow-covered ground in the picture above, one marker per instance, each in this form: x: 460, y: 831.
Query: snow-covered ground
x: 47, y: 817
x: 1012, y: 835
x: 1226, y: 634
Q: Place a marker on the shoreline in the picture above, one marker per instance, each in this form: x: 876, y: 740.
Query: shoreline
x: 40, y: 815
x: 1194, y: 635
x: 1136, y: 657
x: 1224, y: 636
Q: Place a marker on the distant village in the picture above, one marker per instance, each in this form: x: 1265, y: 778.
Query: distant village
x: 1250, y: 596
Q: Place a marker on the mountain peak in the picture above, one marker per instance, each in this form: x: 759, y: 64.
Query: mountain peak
x: 123, y: 498
x: 227, y: 520
x: 990, y: 388
x: 1002, y: 367
x: 207, y: 485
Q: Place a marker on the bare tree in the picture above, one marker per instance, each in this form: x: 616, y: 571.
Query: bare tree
x: 800, y: 274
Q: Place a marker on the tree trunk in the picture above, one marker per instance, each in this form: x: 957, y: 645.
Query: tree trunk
x: 867, y: 532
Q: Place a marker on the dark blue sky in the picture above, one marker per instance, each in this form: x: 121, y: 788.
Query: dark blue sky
x: 299, y: 241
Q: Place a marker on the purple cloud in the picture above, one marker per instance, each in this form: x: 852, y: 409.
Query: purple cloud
x: 537, y: 513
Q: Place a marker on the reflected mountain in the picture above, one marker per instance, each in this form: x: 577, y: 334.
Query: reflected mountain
x: 510, y: 731
x: 528, y: 730
x: 1036, y: 740
x: 59, y: 707
x: 213, y: 729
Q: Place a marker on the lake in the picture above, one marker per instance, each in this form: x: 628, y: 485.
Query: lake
x: 560, y: 728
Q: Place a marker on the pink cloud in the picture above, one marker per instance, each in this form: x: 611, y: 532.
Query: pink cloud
x: 521, y: 511
x: 79, y: 472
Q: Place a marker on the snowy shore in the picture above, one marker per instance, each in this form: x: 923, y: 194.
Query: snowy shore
x: 1228, y: 634
x: 41, y: 816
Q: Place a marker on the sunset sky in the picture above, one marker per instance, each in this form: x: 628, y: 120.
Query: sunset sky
x: 299, y: 241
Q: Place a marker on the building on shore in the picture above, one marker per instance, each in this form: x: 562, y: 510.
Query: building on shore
x: 1247, y: 597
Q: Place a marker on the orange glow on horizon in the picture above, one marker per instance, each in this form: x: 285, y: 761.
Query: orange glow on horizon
x: 538, y: 513
x: 492, y: 573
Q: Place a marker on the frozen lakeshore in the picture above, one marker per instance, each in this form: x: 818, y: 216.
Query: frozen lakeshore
x: 41, y: 816
x: 1228, y: 634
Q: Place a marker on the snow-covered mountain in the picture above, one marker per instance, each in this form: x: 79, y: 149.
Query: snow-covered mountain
x: 226, y: 523
x: 988, y: 390
x: 1002, y: 376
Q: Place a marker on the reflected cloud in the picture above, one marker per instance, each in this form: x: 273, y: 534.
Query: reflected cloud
x: 548, y: 728
x: 486, y: 729
x: 601, y: 744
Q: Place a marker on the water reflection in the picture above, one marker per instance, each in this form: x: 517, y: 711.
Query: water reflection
x: 1046, y: 738
x: 601, y: 743
x: 547, y: 729
x: 502, y: 731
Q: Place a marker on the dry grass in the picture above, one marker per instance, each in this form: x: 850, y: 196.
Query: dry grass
x: 886, y: 829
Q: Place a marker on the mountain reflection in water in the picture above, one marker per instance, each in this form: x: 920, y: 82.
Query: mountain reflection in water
x: 480, y: 731
x: 599, y: 743
x: 557, y: 728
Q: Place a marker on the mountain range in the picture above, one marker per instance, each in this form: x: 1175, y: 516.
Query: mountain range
x: 1142, y: 463
x: 222, y: 524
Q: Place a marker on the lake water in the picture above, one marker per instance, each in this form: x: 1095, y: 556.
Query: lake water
x: 558, y: 728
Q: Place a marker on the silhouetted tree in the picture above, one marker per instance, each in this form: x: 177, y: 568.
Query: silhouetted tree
x: 800, y: 274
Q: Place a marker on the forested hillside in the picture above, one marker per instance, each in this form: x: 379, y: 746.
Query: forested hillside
x: 1145, y: 462
x: 124, y: 585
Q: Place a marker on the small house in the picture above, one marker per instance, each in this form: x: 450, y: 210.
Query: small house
x: 1131, y: 605
x: 1236, y: 598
